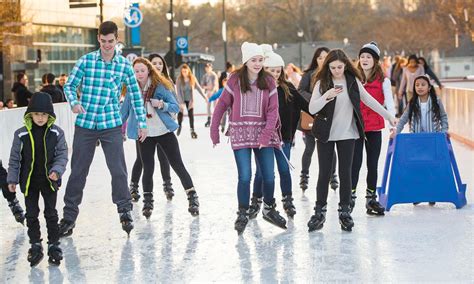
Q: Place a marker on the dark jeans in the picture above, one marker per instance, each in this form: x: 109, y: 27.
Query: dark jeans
x: 50, y: 214
x: 264, y: 158
x: 345, y: 152
x: 310, y: 144
x: 9, y: 196
x: 138, y: 167
x: 190, y: 114
x: 283, y: 171
x: 83, y: 149
x: 169, y: 145
x: 373, y: 145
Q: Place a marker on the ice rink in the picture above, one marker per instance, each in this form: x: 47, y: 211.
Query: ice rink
x: 411, y: 243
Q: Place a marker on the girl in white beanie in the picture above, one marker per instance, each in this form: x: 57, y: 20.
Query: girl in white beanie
x: 290, y: 104
x: 252, y: 98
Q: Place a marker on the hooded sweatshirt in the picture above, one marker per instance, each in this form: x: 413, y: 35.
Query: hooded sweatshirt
x: 37, y: 151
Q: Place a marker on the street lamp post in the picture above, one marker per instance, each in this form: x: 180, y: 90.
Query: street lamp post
x: 224, y: 33
x: 186, y: 24
x: 300, y: 34
x: 170, y: 17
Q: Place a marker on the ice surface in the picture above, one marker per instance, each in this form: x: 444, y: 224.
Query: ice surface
x: 411, y: 243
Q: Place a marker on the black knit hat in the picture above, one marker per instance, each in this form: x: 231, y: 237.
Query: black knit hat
x: 371, y: 48
x: 41, y: 102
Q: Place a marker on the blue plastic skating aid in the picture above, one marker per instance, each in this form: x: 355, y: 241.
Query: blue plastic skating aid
x: 421, y: 167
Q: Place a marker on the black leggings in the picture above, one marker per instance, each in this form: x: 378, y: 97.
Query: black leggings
x: 373, y: 145
x: 190, y: 114
x: 169, y: 145
x: 345, y: 152
x: 310, y: 143
x: 138, y: 166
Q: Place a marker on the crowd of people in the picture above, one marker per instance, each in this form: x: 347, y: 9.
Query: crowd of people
x: 339, y: 106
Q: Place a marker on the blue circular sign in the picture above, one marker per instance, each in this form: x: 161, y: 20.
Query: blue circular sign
x: 182, y: 43
x: 132, y: 17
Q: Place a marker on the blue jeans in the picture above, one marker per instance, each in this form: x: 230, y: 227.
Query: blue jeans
x: 264, y: 158
x: 283, y: 170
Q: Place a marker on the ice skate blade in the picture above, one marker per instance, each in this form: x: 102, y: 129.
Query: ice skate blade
x: 270, y: 221
x: 375, y: 213
x: 315, y: 228
x: 54, y: 262
x: 66, y: 234
x: 344, y: 228
x: 35, y: 263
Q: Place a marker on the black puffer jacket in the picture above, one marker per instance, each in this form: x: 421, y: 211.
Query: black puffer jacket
x: 290, y: 112
x: 22, y: 95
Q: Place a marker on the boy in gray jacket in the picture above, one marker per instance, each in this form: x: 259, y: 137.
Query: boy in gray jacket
x: 38, y: 159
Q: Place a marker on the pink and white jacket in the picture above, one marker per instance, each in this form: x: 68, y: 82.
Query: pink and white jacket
x: 253, y: 118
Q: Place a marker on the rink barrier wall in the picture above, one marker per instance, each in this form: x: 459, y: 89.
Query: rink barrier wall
x: 12, y: 119
x: 459, y: 105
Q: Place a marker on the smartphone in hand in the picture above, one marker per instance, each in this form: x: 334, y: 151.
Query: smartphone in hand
x: 338, y: 87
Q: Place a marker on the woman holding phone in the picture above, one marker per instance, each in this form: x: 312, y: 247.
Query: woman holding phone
x: 338, y: 122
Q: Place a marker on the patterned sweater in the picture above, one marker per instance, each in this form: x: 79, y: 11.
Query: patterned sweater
x: 253, y: 119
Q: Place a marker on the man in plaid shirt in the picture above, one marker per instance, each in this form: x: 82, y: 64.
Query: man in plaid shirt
x: 100, y: 76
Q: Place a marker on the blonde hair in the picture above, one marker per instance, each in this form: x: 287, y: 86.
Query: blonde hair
x: 192, y: 79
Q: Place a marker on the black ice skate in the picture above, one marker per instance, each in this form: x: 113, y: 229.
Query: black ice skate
x: 352, y: 203
x: 345, y: 218
x: 134, y: 191
x: 208, y: 122
x: 255, y: 205
x: 127, y: 222
x: 271, y: 215
x: 168, y: 189
x: 65, y: 228
x: 17, y: 211
x: 242, y: 220
x: 334, y: 183
x: 55, y: 254
x: 147, y: 204
x: 304, y: 181
x: 288, y: 206
x: 193, y: 134
x: 317, y: 220
x: 372, y: 205
x: 35, y: 254
x: 193, y: 202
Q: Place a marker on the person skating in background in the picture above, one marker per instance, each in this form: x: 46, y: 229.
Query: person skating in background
x: 290, y: 105
x: 50, y: 88
x: 252, y: 97
x: 185, y: 86
x: 161, y: 105
x: 429, y: 72
x: 38, y: 160
x: 293, y: 73
x: 209, y: 83
x: 379, y: 87
x: 160, y: 64
x: 410, y: 72
x: 101, y: 75
x: 20, y: 90
x: 222, y: 82
x: 13, y: 202
x: 306, y: 89
x: 338, y: 122
x: 425, y: 111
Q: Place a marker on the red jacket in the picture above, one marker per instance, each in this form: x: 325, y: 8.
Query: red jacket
x: 372, y: 120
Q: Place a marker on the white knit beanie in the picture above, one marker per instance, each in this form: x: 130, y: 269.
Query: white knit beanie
x: 249, y: 50
x: 273, y: 60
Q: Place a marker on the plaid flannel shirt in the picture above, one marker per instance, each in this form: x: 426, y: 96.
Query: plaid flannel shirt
x: 100, y: 84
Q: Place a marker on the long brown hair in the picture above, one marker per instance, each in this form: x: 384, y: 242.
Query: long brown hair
x: 156, y: 78
x: 284, y: 84
x: 325, y: 76
x: 242, y: 72
x: 192, y: 79
x: 375, y: 74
